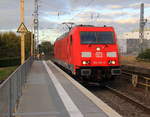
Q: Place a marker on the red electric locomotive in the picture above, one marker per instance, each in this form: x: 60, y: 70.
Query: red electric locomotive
x: 90, y: 53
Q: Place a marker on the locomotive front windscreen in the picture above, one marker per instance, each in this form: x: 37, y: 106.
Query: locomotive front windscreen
x: 87, y: 37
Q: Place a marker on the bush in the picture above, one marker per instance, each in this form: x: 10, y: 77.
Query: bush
x: 12, y: 61
x: 10, y: 45
x: 46, y: 47
x: 144, y: 55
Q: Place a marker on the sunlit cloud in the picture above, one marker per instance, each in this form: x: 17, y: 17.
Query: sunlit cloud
x: 52, y: 14
x: 114, y: 6
x: 128, y: 21
x: 137, y: 5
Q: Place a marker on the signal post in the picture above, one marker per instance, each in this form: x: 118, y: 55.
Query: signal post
x: 22, y: 29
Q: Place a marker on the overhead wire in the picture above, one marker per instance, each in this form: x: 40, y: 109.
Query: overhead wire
x: 44, y: 5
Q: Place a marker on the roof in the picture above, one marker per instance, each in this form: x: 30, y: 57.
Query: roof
x: 81, y: 25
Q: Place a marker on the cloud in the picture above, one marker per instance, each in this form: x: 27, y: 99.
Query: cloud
x: 137, y: 5
x: 10, y: 13
x: 99, y: 3
x: 128, y: 21
x: 120, y: 21
x: 54, y: 6
x: 114, y: 6
x: 115, y: 13
x: 118, y: 13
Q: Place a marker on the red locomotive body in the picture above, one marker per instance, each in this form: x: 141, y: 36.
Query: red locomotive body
x: 89, y: 52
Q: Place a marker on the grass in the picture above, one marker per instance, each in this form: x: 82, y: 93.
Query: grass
x: 6, y: 71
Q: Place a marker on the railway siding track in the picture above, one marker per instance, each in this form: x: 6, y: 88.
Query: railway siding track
x: 136, y: 70
x: 129, y: 99
x: 135, y: 110
x: 137, y: 75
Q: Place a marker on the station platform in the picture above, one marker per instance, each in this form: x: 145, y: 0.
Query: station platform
x: 50, y: 92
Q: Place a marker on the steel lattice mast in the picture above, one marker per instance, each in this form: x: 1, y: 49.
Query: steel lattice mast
x: 36, y: 25
x: 142, y: 25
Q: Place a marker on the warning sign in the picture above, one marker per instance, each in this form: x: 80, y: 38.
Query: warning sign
x: 22, y: 28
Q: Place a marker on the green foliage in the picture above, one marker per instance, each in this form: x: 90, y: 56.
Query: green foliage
x: 46, y: 47
x: 10, y: 48
x: 9, y: 61
x: 144, y: 55
x: 9, y: 45
x: 6, y: 71
x: 28, y: 44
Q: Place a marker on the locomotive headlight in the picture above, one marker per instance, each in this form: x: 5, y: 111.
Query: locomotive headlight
x: 84, y: 62
x: 98, y: 49
x: 113, y: 62
x: 111, y: 54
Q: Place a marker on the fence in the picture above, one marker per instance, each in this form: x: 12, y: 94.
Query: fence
x: 11, y: 89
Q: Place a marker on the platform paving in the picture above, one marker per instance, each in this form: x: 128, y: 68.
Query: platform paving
x: 42, y: 98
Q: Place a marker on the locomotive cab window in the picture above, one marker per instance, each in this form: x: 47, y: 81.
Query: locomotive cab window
x: 96, y: 37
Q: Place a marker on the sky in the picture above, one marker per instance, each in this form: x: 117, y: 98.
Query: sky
x: 123, y: 15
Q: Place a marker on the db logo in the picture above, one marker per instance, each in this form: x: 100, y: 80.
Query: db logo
x: 99, y: 54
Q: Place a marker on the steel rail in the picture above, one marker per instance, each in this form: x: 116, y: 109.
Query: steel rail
x: 143, y: 77
x: 129, y: 99
x: 133, y: 72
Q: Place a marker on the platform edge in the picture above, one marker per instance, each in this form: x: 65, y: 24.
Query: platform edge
x: 100, y: 104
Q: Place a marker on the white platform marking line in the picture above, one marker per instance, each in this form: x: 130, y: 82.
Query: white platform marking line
x: 68, y: 103
x: 35, y: 113
x: 103, y: 106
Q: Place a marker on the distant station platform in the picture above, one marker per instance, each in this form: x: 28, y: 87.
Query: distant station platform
x: 50, y: 92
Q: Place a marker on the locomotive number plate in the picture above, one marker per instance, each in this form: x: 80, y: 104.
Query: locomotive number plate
x: 98, y: 54
x: 99, y: 62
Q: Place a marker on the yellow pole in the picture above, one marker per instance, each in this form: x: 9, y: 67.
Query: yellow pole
x: 31, y: 44
x: 22, y: 34
x: 22, y: 48
x: 22, y: 11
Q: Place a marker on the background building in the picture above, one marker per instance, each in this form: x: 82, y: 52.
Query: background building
x: 129, y: 43
x: 135, y: 35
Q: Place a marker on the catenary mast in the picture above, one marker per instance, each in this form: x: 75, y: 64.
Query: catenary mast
x: 36, y: 25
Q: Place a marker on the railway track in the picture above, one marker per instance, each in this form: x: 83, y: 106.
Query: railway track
x: 137, y: 79
x: 129, y: 99
x: 133, y: 111
x: 129, y: 73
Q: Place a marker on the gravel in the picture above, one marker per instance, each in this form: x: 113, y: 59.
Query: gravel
x: 123, y: 107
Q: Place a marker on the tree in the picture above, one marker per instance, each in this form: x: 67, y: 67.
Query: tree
x: 28, y: 44
x: 46, y: 47
x: 145, y: 55
x: 9, y: 45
